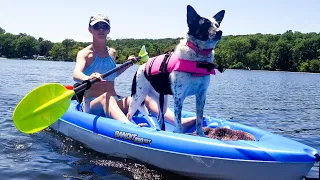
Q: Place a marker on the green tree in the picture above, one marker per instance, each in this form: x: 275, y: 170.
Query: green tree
x: 2, y: 31
x: 44, y: 47
x: 40, y: 39
x: 311, y: 66
x: 57, y: 52
x: 68, y: 45
x: 7, y: 45
x: 26, y: 46
x: 281, y: 58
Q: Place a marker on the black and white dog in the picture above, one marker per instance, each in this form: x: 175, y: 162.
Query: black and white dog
x: 194, y: 56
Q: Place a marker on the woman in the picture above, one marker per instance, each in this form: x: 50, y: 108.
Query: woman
x: 92, y: 61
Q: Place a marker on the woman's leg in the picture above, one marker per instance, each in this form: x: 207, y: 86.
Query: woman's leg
x: 169, y: 115
x: 152, y: 106
x: 107, y: 105
x: 124, y: 104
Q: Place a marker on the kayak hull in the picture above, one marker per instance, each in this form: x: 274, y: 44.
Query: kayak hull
x: 184, y: 162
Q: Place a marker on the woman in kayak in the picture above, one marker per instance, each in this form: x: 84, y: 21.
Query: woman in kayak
x: 101, y: 99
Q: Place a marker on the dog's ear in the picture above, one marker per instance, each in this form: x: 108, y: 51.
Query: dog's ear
x: 192, y: 15
x: 219, y: 16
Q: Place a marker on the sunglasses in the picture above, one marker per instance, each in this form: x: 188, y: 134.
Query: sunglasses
x: 103, y: 26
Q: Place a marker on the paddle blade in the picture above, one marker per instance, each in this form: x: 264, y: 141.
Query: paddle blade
x: 41, y: 107
x: 143, y: 54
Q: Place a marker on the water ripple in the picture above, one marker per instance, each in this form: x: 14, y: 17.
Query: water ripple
x: 280, y: 102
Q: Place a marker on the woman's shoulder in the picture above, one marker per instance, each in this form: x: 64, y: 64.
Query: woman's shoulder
x: 86, y: 52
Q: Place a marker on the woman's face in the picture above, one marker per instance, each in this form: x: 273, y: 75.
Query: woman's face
x: 100, y: 30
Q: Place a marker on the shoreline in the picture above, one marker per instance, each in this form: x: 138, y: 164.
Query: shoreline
x: 1, y: 58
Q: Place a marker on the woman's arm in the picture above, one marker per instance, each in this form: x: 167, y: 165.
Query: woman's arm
x: 78, y: 74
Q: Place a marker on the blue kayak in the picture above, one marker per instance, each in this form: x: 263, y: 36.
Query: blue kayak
x: 271, y: 156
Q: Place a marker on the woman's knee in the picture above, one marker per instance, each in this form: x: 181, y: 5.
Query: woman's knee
x: 124, y: 104
x: 151, y: 104
x: 148, y: 101
x: 110, y: 101
x: 106, y: 99
x: 105, y: 96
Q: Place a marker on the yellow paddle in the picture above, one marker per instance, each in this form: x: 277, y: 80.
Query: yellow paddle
x: 46, y: 104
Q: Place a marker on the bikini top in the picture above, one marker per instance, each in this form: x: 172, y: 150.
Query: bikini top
x: 101, y: 65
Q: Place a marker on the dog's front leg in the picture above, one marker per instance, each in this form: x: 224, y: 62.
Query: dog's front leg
x: 200, y: 102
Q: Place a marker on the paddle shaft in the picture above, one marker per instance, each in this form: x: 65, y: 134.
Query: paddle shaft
x: 87, y: 83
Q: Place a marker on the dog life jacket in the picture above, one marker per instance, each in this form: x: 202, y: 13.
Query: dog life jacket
x: 158, y: 69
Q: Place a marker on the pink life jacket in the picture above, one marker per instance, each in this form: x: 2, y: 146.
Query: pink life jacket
x: 163, y: 64
x: 158, y: 68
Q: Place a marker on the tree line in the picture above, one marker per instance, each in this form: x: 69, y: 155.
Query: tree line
x: 289, y: 51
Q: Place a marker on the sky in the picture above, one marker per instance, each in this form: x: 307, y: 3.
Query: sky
x: 57, y: 20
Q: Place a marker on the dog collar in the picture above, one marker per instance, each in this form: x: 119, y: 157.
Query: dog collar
x: 203, y: 52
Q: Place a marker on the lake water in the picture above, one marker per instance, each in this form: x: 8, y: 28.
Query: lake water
x: 280, y: 102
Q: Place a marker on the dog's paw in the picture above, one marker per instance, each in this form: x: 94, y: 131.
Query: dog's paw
x: 201, y: 134
x: 157, y: 129
x: 177, y: 130
x: 129, y: 116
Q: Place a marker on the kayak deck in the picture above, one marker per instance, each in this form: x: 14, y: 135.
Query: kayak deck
x: 191, y: 155
x: 267, y: 147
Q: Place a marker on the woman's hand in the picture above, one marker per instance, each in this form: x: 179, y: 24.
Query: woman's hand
x: 132, y: 58
x: 96, y: 75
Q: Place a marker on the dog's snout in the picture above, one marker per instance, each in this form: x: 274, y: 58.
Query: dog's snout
x: 218, y: 34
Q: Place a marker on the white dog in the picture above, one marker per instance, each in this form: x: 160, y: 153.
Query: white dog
x: 181, y: 73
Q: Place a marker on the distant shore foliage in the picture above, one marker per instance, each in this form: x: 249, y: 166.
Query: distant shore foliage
x: 290, y: 51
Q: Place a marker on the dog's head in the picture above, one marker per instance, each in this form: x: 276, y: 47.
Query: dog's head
x: 204, y: 29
